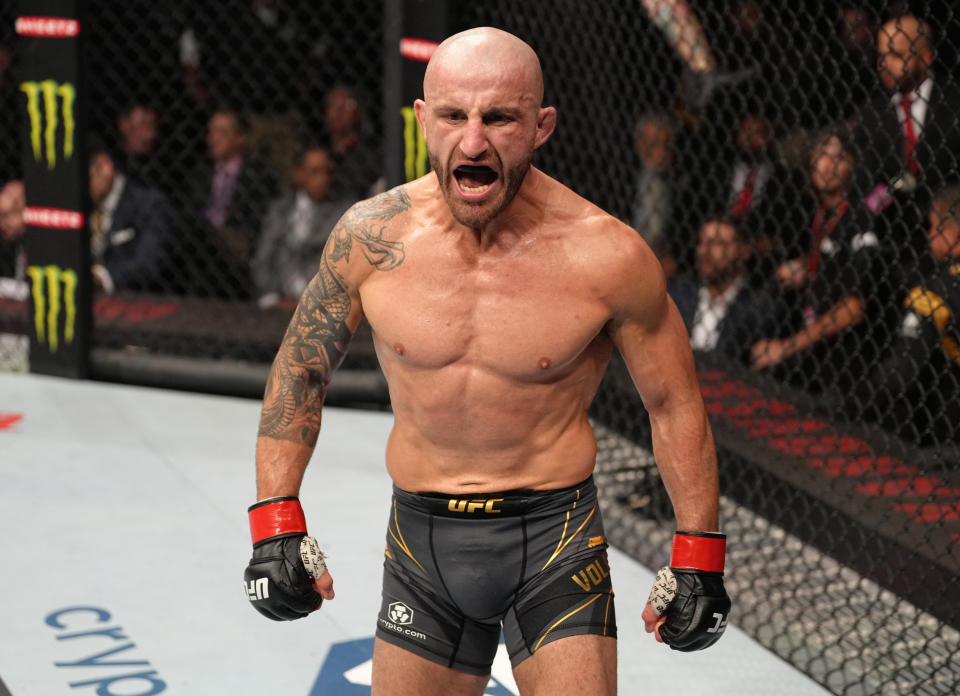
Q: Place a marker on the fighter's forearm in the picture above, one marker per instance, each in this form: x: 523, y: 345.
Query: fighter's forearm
x: 280, y: 467
x: 289, y: 425
x: 683, y: 32
x: 686, y: 457
x: 317, y: 340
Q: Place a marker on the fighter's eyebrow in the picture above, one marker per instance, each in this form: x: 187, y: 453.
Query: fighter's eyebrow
x: 492, y: 113
x: 498, y: 112
x: 448, y: 109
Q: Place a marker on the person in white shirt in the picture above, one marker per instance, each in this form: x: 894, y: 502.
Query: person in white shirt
x: 722, y: 311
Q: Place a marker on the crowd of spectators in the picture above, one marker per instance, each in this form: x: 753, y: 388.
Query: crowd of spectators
x: 796, y: 210
x: 216, y: 164
x: 827, y: 256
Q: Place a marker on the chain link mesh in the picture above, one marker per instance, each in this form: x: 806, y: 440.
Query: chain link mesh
x: 809, y: 238
x: 831, y: 385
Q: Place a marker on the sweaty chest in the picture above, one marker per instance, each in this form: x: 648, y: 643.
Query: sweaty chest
x: 522, y: 319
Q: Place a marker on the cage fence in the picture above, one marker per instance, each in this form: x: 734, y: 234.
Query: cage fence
x: 806, y: 216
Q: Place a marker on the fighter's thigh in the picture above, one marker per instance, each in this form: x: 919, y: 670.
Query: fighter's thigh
x: 397, y: 672
x: 584, y: 665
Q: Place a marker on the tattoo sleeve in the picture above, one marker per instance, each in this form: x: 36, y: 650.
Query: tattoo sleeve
x: 319, y: 333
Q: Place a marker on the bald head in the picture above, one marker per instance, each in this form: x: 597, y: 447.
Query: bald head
x: 485, y: 53
x: 482, y: 118
x: 904, y: 53
x: 916, y: 32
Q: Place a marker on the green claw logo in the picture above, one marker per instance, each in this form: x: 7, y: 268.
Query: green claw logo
x: 48, y: 103
x: 414, y: 146
x: 54, y: 288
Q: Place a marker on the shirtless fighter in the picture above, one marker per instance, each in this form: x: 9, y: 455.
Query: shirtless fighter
x: 496, y: 296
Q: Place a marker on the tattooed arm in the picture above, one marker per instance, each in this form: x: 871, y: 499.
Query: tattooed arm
x: 317, y: 339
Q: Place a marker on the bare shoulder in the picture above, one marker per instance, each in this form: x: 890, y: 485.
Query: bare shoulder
x: 626, y: 270
x: 369, y: 235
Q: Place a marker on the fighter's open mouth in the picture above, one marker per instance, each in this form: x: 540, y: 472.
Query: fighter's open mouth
x: 474, y: 179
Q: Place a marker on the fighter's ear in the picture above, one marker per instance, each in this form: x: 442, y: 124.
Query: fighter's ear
x: 546, y: 123
x: 419, y: 108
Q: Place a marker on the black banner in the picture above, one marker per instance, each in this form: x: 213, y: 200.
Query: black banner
x: 54, y: 166
x: 413, y: 30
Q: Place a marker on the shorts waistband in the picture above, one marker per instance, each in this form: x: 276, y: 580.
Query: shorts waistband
x: 497, y: 504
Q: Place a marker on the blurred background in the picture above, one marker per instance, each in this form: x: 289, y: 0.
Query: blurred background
x: 794, y: 167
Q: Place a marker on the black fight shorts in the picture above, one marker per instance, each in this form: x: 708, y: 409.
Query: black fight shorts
x: 457, y: 569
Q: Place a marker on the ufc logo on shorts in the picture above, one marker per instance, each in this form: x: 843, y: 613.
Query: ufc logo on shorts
x: 257, y: 589
x: 721, y: 623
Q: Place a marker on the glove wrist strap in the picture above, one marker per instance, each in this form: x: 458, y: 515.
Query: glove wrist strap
x: 276, y: 517
x: 699, y: 551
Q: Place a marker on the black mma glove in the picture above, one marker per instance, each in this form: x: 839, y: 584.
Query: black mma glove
x: 279, y: 578
x: 691, y: 592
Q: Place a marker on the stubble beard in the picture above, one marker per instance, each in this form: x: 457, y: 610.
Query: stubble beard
x: 720, y: 277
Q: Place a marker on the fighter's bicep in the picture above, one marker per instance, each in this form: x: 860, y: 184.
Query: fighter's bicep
x: 656, y: 349
x: 360, y: 245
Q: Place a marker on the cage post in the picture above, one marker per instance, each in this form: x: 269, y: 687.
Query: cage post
x: 412, y: 29
x: 54, y: 163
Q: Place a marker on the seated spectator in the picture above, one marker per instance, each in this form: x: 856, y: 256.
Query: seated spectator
x: 136, y: 143
x: 764, y: 195
x: 268, y: 72
x: 831, y: 165
x: 915, y: 390
x: 145, y: 151
x: 357, y: 157
x: 836, y: 282
x: 721, y: 310
x: 655, y: 198
x: 230, y: 195
x: 13, y: 262
x: 295, y: 230
x: 131, y: 229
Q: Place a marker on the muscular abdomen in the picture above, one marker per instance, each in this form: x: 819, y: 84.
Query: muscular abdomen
x: 465, y: 427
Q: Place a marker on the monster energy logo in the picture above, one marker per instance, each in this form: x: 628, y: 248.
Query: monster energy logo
x: 414, y: 146
x: 54, y: 288
x: 49, y: 102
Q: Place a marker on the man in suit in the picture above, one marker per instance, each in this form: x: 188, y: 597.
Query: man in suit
x: 354, y: 149
x: 721, y: 310
x: 295, y: 230
x: 137, y: 139
x: 230, y: 196
x: 764, y: 195
x: 662, y: 212
x: 130, y: 229
x: 908, y: 139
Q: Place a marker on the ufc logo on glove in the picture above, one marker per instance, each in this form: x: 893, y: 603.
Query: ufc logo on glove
x: 690, y: 592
